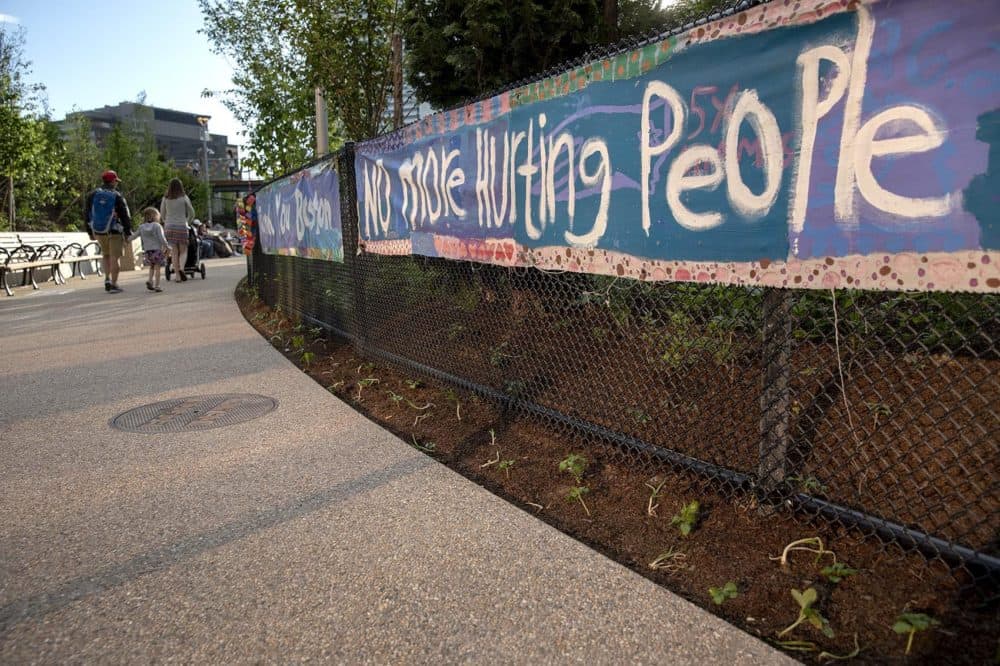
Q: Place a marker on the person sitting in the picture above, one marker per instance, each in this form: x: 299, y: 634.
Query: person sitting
x: 204, y: 241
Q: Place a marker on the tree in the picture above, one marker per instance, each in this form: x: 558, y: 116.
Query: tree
x: 458, y: 50
x: 271, y: 95
x: 30, y: 160
x: 283, y: 50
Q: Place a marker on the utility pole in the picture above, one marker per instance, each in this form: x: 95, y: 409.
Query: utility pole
x: 203, y: 121
x: 322, y: 136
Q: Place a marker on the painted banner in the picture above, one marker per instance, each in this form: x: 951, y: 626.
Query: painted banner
x: 300, y: 215
x: 814, y: 144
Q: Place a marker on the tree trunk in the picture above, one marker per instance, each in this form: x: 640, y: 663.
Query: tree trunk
x: 611, y: 20
x: 397, y: 80
x: 12, y: 210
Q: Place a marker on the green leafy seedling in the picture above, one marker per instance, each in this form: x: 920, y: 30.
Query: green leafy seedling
x: 575, y: 464
x: 687, y: 518
x: 505, y: 465
x: 307, y: 358
x: 721, y: 594
x: 807, y: 613
x: 577, y: 493
x: 298, y: 342
x: 413, y: 384
x: 837, y: 572
x: 395, y: 397
x: 808, y: 484
x: 911, y: 623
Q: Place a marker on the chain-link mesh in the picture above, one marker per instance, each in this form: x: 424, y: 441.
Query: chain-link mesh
x: 876, y: 411
x: 871, y: 410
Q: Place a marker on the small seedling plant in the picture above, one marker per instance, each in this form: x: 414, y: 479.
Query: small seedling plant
x: 365, y: 383
x: 426, y: 447
x: 577, y: 493
x: 655, y: 485
x: 575, y: 464
x: 910, y: 624
x: 805, y: 599
x: 307, y: 358
x: 721, y: 594
x: 505, y: 465
x: 837, y: 572
x: 671, y: 561
x: 687, y: 518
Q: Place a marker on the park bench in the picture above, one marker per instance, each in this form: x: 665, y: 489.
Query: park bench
x: 34, y: 252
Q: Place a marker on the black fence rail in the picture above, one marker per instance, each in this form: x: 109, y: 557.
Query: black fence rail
x: 873, y: 410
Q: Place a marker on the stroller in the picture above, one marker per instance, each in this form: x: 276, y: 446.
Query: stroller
x: 193, y: 263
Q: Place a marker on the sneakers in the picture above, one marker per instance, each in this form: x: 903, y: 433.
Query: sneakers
x: 157, y: 289
x: 182, y: 276
x: 114, y: 289
x: 107, y: 285
x: 149, y: 285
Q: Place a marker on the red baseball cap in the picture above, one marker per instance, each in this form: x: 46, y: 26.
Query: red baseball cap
x: 110, y: 176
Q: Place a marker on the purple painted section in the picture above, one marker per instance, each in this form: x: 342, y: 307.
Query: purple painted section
x: 942, y: 57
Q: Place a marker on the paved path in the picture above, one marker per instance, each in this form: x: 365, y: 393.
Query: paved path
x: 308, y: 533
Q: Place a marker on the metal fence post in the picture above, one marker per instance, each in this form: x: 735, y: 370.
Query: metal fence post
x: 351, y: 235
x: 772, y: 466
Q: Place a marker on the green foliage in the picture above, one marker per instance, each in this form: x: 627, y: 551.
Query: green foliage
x: 308, y: 358
x: 911, y: 623
x: 575, y: 464
x: 458, y: 50
x: 721, y: 594
x: 506, y: 465
x: 282, y: 51
x: 687, y: 518
x: 272, y: 95
x: 31, y: 157
x: 298, y: 342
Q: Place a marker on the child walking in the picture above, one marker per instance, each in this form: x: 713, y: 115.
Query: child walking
x: 154, y: 244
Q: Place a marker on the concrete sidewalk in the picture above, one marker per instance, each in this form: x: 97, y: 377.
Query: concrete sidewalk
x: 306, y: 534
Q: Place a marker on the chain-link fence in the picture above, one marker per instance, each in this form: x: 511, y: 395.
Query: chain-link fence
x: 877, y: 411
x: 874, y: 410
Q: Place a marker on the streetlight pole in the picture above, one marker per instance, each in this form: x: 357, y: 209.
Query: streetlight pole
x: 203, y: 121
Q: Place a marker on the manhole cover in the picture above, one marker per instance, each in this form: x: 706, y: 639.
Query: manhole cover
x: 198, y: 412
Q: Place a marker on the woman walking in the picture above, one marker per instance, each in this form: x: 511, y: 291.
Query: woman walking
x: 177, y: 213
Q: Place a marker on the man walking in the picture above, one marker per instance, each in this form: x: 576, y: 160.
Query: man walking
x: 108, y: 220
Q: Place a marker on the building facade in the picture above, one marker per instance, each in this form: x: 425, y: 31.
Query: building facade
x: 178, y: 135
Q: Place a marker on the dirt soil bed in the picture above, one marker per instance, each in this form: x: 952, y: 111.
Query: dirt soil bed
x: 731, y: 539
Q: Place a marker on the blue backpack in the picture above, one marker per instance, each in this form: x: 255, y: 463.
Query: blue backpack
x: 102, y: 212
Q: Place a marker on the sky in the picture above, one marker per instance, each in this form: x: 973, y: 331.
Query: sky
x: 94, y: 54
